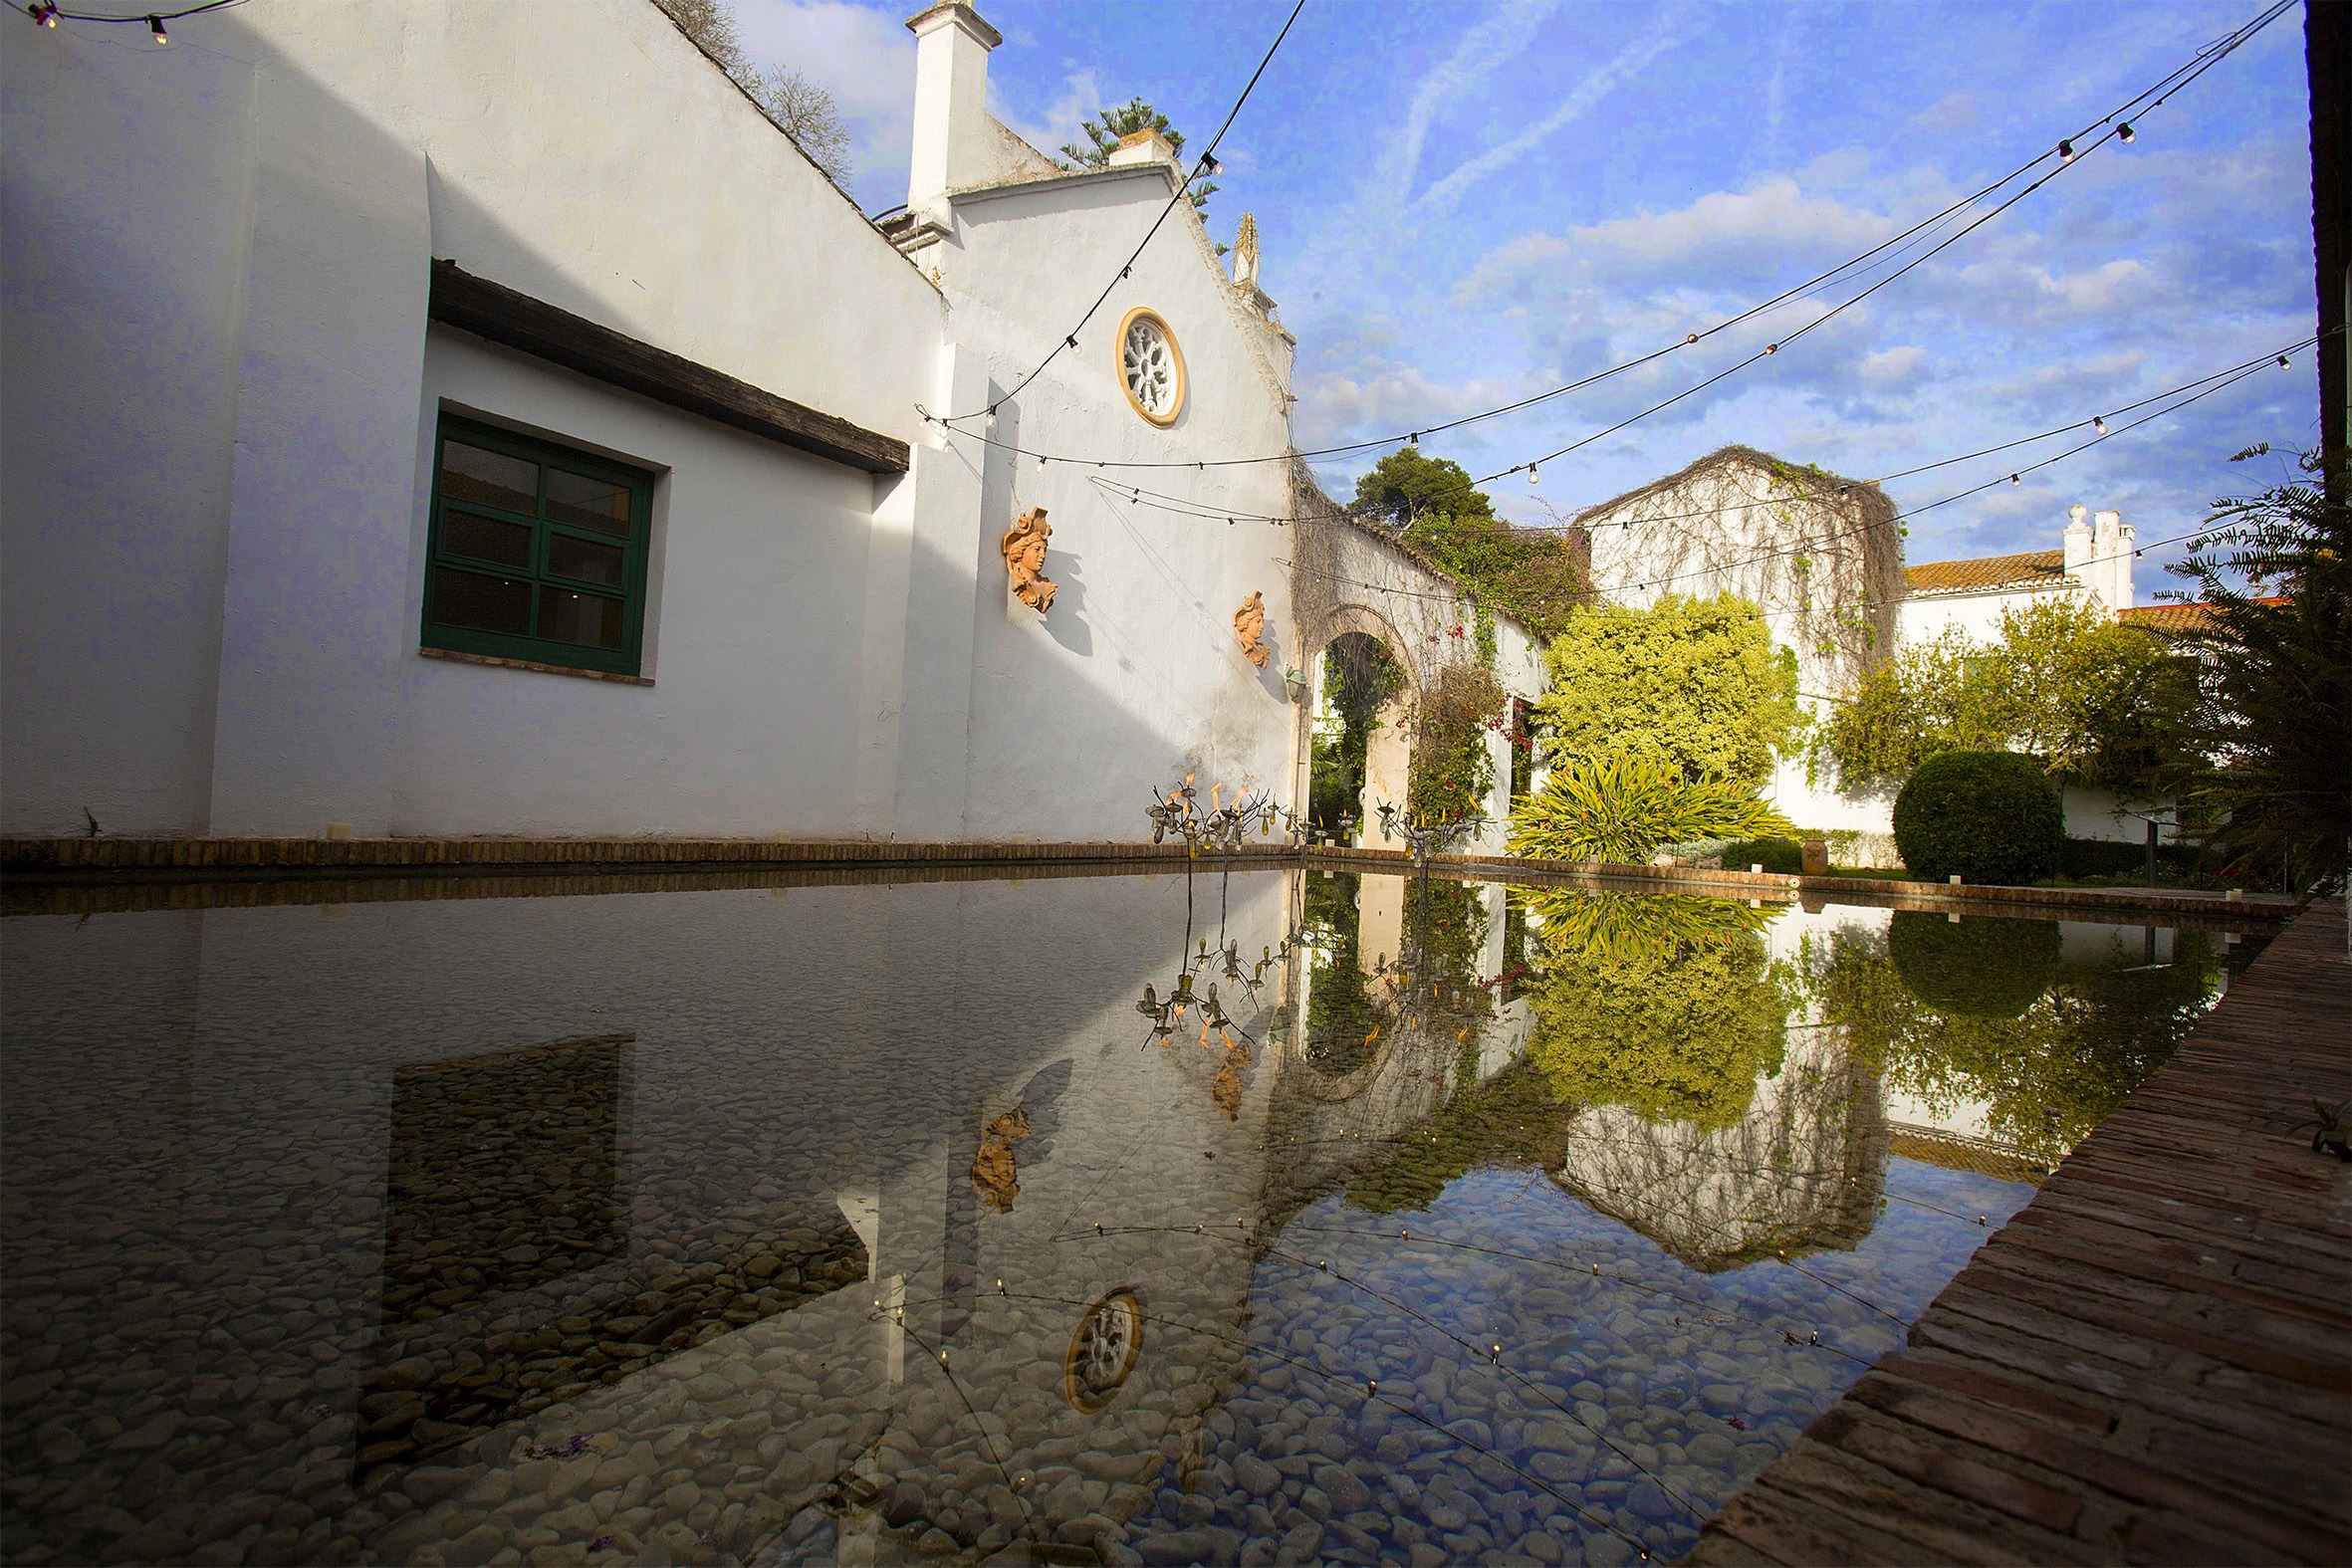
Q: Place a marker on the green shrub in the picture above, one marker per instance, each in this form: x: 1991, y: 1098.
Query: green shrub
x: 1623, y: 807
x: 1984, y: 816
x: 1784, y: 855
x: 1984, y: 967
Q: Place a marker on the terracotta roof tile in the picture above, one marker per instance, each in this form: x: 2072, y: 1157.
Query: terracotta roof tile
x: 2166, y: 617
x: 2035, y: 569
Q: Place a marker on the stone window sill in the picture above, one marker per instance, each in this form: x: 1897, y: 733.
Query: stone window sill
x: 528, y: 664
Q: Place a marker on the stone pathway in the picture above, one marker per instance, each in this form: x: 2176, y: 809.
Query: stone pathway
x: 2152, y: 1362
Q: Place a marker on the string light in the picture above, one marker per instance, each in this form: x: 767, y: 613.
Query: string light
x: 1208, y: 162
x: 2014, y: 480
x: 2153, y: 96
x: 2124, y: 132
x: 1533, y: 479
x: 2065, y: 152
x: 2099, y: 423
x: 44, y: 13
x: 2284, y: 362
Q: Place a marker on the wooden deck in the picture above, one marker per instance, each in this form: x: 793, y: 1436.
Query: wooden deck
x: 2152, y: 1362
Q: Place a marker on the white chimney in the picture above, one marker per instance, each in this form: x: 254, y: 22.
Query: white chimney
x: 2079, y: 548
x: 1142, y: 147
x: 2115, y: 545
x: 951, y: 142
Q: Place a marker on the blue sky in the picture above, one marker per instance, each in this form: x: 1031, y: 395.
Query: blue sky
x: 1461, y: 204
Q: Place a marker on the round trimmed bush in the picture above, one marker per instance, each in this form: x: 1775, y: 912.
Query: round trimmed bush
x: 1982, y: 816
x: 1984, y: 967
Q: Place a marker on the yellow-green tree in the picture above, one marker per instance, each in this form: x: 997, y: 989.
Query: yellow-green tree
x: 1675, y: 1016
x: 2095, y: 700
x: 1694, y: 684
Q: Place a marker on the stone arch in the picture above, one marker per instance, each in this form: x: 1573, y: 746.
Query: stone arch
x: 1390, y: 760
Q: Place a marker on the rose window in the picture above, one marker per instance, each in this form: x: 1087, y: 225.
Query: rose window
x: 1151, y: 366
x: 1103, y: 1351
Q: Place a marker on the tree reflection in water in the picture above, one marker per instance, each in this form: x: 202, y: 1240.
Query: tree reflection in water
x: 1666, y: 1005
x: 1938, y: 1018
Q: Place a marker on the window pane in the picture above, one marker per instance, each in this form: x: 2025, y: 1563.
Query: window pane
x: 465, y: 598
x: 576, y: 557
x: 468, y: 472
x: 486, y: 539
x: 597, y: 503
x: 590, y: 619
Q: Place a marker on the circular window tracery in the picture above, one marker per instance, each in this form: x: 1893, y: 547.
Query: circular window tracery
x: 1151, y: 366
x: 1103, y: 1351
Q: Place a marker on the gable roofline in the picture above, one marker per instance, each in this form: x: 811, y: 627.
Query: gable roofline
x: 1305, y: 489
x: 817, y: 168
x: 2036, y: 570
x: 1819, y: 480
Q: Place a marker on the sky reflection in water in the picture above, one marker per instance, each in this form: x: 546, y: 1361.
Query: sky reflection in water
x: 866, y: 1221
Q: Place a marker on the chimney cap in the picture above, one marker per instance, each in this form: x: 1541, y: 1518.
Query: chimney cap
x: 1142, y: 147
x: 931, y: 18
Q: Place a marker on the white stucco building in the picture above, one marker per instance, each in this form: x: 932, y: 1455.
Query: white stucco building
x: 1821, y: 556
x: 2094, y: 566
x: 424, y: 420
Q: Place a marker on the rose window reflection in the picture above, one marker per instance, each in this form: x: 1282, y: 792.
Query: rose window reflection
x: 1102, y: 1352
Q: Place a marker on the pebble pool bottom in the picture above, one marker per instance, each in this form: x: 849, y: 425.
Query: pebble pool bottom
x: 1266, y: 1217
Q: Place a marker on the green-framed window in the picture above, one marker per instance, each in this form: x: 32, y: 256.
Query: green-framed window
x: 538, y: 552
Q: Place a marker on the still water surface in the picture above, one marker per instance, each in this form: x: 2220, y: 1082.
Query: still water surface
x: 885, y: 1222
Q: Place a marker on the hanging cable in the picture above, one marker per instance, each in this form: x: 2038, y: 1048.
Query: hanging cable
x: 1206, y: 166
x: 46, y: 14
x: 2155, y: 94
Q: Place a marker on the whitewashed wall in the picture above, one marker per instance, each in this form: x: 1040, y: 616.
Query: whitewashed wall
x: 1785, y: 543
x: 1926, y: 616
x: 223, y: 391
x: 1134, y: 676
x: 223, y: 248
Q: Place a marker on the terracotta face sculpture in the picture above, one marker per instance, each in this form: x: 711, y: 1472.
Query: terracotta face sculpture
x: 1025, y: 558
x: 1249, y: 625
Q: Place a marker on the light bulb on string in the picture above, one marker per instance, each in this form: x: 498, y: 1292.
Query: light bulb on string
x: 2284, y: 362
x: 1533, y: 479
x: 155, y: 30
x: 2124, y: 132
x: 1414, y: 440
x: 1771, y: 348
x: 992, y: 419
x: 2099, y: 423
x: 2065, y: 152
x: 2013, y: 479
x: 1689, y: 340
x: 42, y: 12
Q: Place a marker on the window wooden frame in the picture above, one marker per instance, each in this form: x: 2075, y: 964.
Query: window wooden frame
x: 532, y: 646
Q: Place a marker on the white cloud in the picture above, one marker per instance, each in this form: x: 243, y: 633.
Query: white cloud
x: 1579, y: 99
x: 1378, y: 396
x: 1894, y: 370
x: 1493, y: 43
x: 1744, y: 229
x: 1080, y: 99
x: 865, y: 57
x: 1948, y: 115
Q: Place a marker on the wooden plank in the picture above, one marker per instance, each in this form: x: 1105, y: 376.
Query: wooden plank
x: 2152, y: 1360
x: 545, y: 332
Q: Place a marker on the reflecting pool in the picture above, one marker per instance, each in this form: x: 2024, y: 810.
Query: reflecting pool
x: 1270, y: 1216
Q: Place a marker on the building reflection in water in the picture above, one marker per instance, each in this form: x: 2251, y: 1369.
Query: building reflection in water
x: 815, y: 1259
